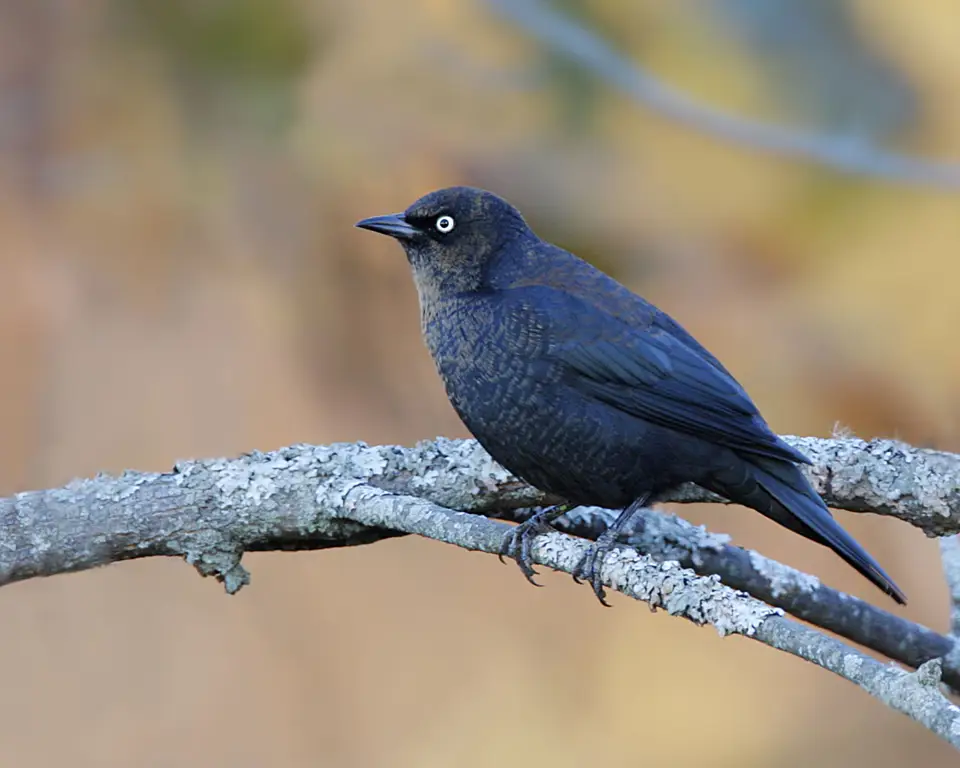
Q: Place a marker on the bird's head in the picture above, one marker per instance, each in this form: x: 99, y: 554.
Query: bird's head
x: 452, y: 236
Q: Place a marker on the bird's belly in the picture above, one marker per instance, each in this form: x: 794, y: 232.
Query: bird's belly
x: 561, y: 443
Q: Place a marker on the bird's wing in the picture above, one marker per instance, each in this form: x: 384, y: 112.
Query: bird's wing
x: 654, y: 375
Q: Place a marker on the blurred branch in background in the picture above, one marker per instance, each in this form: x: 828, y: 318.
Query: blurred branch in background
x: 305, y: 497
x: 27, y: 95
x: 818, y: 65
x: 849, y: 153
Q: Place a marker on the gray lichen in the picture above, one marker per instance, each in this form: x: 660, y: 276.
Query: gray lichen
x: 783, y: 580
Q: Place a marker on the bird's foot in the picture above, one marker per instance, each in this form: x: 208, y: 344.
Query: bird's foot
x: 518, y: 544
x: 590, y: 568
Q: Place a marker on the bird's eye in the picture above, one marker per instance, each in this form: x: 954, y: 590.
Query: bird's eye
x: 444, y: 224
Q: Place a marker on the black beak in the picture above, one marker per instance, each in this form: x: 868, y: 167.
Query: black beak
x: 394, y: 225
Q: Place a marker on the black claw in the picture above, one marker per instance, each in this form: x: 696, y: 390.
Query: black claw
x: 518, y: 544
x: 598, y: 589
x: 588, y: 570
x: 526, y: 553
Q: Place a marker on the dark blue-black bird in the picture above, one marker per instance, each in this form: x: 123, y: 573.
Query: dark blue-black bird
x: 584, y: 389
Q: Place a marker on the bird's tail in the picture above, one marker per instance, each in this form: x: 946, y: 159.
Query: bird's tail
x: 779, y: 490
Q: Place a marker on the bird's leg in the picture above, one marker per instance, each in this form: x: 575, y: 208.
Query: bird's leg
x: 518, y: 543
x: 589, y: 568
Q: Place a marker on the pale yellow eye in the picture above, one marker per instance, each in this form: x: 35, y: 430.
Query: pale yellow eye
x: 444, y: 224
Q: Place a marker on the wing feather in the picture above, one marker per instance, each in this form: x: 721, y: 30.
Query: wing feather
x: 652, y: 374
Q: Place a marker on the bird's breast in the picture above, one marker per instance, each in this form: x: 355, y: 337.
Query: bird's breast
x: 494, y: 369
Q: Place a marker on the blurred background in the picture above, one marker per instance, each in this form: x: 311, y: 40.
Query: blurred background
x: 181, y: 278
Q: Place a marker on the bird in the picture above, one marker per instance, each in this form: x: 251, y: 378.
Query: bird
x: 584, y: 389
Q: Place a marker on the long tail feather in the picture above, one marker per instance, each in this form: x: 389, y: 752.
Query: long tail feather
x: 779, y: 490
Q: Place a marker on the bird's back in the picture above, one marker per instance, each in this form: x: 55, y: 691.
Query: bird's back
x: 545, y: 264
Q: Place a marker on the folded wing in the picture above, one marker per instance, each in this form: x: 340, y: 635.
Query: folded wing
x: 655, y: 375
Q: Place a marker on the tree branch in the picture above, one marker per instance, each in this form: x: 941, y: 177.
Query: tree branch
x: 681, y: 593
x: 669, y: 538
x: 950, y: 555
x: 848, y: 154
x: 211, y: 512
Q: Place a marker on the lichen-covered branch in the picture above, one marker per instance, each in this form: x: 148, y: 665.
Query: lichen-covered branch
x: 950, y: 555
x: 887, y: 477
x: 211, y: 512
x: 666, y: 537
x: 667, y: 585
